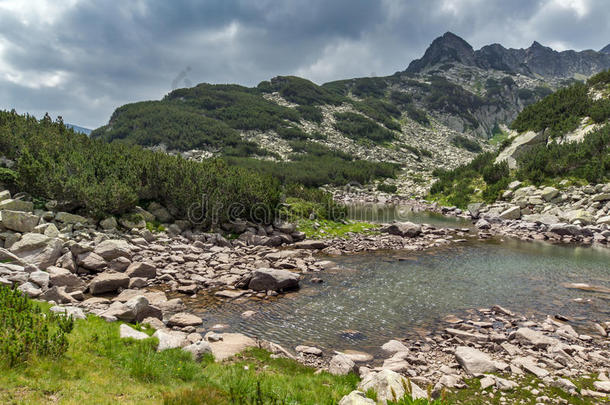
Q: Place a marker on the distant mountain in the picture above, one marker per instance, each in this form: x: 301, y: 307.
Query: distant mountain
x: 537, y: 60
x: 82, y: 130
x: 606, y: 49
x: 436, y: 113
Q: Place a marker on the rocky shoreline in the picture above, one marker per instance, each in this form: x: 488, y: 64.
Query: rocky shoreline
x: 81, y: 268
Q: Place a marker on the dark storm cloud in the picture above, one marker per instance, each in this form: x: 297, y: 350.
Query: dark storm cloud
x: 81, y: 59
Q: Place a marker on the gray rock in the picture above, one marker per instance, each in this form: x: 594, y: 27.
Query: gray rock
x: 311, y: 244
x: 474, y: 209
x: 404, y: 229
x: 534, y: 338
x: 68, y: 218
x: 91, y: 261
x: 183, y: 319
x: 356, y: 398
x: 474, y: 361
x: 19, y: 221
x: 340, y: 364
x: 198, y: 349
x: 37, y: 249
x: 272, y: 279
x: 127, y: 332
x: 389, y: 386
x: 30, y: 289
x: 482, y: 224
x: 40, y: 278
x: 143, y: 270
x: 112, y: 249
x: 74, y: 312
x: 108, y: 282
x: 511, y: 213
x: 64, y: 278
x: 57, y: 294
x: 109, y: 223
x: 170, y: 340
x: 394, y: 346
x: 16, y: 205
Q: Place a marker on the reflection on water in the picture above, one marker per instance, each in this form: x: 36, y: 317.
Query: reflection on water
x: 378, y: 296
x: 384, y: 213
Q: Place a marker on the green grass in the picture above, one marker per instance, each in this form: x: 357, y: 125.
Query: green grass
x: 322, y: 229
x: 101, y: 368
x: 472, y: 395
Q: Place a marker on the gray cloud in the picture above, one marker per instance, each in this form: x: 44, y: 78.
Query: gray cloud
x: 82, y: 59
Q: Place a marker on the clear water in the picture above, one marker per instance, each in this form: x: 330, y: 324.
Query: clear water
x: 383, y: 213
x: 399, y: 294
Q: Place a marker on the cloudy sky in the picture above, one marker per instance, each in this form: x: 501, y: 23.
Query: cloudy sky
x: 82, y: 58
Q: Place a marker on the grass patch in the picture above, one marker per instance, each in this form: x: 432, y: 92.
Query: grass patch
x: 322, y: 229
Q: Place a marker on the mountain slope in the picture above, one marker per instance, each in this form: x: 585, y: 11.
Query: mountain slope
x: 436, y: 113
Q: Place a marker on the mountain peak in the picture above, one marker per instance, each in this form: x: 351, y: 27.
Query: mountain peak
x: 606, y: 49
x: 444, y: 49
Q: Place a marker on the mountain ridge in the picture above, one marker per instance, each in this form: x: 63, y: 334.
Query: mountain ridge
x: 535, y: 60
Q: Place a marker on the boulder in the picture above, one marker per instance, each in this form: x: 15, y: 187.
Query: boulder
x: 394, y: 346
x: 127, y: 332
x: 183, y: 319
x: 112, y: 249
x: 170, y: 340
x: 57, y: 294
x: 59, y: 277
x: 340, y: 364
x: 404, y: 229
x: 37, y: 249
x: 529, y: 364
x: 548, y: 193
x: 390, y: 386
x: 68, y: 218
x: 563, y: 229
x: 226, y: 345
x: 198, y: 349
x: 74, y: 312
x: 482, y: 224
x: 141, y: 269
x: 474, y: 209
x: 584, y: 217
x: 314, y: 351
x: 311, y: 244
x: 40, y: 278
x: 511, y: 213
x: 160, y: 212
x: 19, y: 221
x: 16, y: 205
x: 91, y: 261
x: 109, y: 223
x: 474, y: 361
x: 603, y: 386
x: 356, y: 398
x: 30, y: 289
x: 534, y: 338
x: 272, y: 279
x: 108, y: 282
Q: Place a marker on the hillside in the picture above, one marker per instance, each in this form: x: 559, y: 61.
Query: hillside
x: 438, y: 112
x: 562, y: 139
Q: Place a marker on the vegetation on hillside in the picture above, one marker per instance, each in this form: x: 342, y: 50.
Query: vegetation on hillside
x: 562, y: 111
x: 360, y: 128
x: 99, y: 178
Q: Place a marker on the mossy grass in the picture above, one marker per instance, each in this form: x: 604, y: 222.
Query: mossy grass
x: 325, y: 229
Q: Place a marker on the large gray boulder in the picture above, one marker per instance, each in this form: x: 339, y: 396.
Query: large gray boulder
x: 340, y: 364
x: 511, y: 213
x: 19, y: 221
x: 68, y: 218
x: 16, y: 205
x: 404, y: 229
x: 91, y: 261
x: 183, y: 319
x: 535, y: 338
x: 37, y: 249
x: 112, y: 249
x: 141, y: 269
x: 108, y: 282
x: 474, y: 361
x: 59, y: 277
x: 198, y: 349
x: 272, y: 279
x: 563, y: 229
x: 127, y: 332
x: 170, y: 340
x: 390, y: 386
x: 356, y: 398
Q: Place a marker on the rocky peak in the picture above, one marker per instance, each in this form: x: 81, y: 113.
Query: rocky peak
x: 606, y: 49
x: 444, y: 49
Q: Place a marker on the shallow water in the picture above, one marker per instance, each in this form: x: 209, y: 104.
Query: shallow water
x: 380, y: 296
x: 383, y: 213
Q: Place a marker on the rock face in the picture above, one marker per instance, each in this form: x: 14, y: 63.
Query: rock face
x: 535, y: 60
x: 404, y: 229
x: 37, y: 249
x: 474, y: 361
x: 521, y: 144
x: 272, y: 279
x: 108, y: 282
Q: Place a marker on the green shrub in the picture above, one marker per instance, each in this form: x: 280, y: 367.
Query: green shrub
x: 600, y: 111
x: 466, y: 143
x: 26, y: 331
x: 360, y: 128
x: 302, y: 91
x: 8, y: 178
x: 602, y: 77
x: 310, y: 113
x: 387, y: 188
